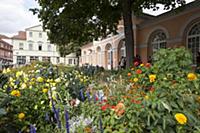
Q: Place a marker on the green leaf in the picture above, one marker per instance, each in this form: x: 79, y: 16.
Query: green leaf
x: 166, y: 106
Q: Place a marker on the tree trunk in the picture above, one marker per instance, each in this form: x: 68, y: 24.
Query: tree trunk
x: 128, y: 31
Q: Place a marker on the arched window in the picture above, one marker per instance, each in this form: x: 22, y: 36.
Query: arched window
x: 194, y: 40
x: 122, y: 49
x: 90, y: 57
x: 98, y: 56
x: 109, y: 56
x: 158, y: 40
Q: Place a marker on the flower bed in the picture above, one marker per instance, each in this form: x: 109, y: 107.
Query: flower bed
x: 163, y: 97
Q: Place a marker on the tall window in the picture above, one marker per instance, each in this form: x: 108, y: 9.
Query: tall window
x: 30, y: 46
x: 58, y: 60
x: 49, y: 47
x: 30, y: 34
x: 40, y: 47
x: 109, y: 56
x: 194, y: 41
x: 158, y: 40
x: 70, y: 61
x: 21, y: 60
x: 40, y: 35
x: 123, y: 49
x: 99, y: 56
x: 21, y: 46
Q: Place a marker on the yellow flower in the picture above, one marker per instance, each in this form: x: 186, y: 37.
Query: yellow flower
x: 40, y: 79
x: 4, y: 71
x: 15, y: 93
x: 191, y: 76
x: 141, y: 65
x: 8, y: 70
x: 146, y: 97
x: 152, y: 77
x: 135, y: 79
x: 45, y: 90
x: 132, y: 68
x: 53, y: 84
x: 21, y: 116
x: 11, y: 79
x: 19, y: 73
x: 181, y: 118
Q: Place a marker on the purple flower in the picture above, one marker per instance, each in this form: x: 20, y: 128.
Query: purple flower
x: 88, y: 96
x: 94, y: 96
x: 47, y: 116
x: 82, y: 95
x: 57, y: 118
x: 32, y: 129
x: 67, y: 120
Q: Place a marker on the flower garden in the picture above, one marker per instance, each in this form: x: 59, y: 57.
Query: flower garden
x: 163, y: 97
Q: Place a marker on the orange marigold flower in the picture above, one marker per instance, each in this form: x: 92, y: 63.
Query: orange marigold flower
x: 120, y: 109
x: 129, y: 74
x: 148, y: 65
x: 152, y: 77
x: 138, y: 71
x: 15, y: 93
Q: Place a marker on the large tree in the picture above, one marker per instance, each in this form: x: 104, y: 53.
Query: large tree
x: 77, y: 22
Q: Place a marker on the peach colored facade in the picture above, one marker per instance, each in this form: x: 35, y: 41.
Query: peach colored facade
x: 171, y: 29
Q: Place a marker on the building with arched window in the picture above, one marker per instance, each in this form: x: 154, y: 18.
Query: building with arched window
x: 176, y: 28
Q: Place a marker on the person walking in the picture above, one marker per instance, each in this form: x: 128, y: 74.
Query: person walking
x: 122, y: 62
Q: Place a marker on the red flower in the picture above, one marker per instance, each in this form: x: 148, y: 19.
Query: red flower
x: 136, y: 63
x: 152, y: 89
x: 96, y: 98
x: 113, y: 107
x: 148, y: 65
x: 105, y: 100
x: 104, y: 107
x: 136, y: 101
x: 138, y: 71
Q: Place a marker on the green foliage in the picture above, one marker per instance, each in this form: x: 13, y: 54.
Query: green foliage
x: 71, y: 23
x: 146, y: 100
x: 170, y: 60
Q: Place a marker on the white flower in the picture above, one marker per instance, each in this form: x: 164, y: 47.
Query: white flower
x: 53, y: 88
x: 77, y: 102
x: 58, y: 80
x: 37, y: 71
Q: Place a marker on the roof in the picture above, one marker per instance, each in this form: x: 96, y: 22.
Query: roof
x: 33, y: 27
x: 3, y: 37
x: 87, y: 45
x: 4, y: 42
x: 185, y: 8
x: 21, y: 35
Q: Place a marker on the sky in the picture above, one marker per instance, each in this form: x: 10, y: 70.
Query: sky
x: 15, y: 15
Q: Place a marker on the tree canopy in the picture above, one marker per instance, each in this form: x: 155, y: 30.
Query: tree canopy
x: 76, y: 22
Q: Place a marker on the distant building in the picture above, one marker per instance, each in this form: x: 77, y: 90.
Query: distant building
x: 33, y: 45
x: 176, y: 28
x: 6, y: 52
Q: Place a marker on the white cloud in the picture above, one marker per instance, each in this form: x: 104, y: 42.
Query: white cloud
x: 160, y: 10
x: 15, y: 16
